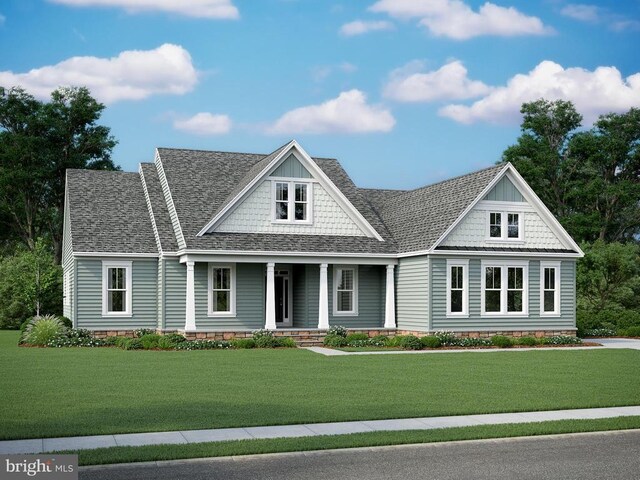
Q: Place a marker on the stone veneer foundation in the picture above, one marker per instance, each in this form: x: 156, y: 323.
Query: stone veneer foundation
x: 315, y: 336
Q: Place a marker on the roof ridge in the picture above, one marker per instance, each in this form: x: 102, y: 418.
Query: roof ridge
x: 214, y: 151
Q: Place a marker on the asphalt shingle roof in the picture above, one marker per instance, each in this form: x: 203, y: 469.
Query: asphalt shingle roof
x: 159, y: 206
x: 108, y: 212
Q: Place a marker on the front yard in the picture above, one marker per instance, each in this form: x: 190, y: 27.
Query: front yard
x: 82, y: 391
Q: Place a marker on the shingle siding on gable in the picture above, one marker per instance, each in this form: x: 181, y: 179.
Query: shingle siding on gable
x: 253, y: 215
x: 291, y: 168
x: 472, y: 232
x: 505, y: 191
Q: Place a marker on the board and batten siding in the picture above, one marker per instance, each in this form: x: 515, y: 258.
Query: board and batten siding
x: 291, y: 168
x: 475, y: 322
x: 504, y: 191
x: 371, y: 297
x: 412, y: 293
x: 89, y: 295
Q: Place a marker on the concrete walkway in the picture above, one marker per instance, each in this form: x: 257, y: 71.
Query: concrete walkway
x: 308, y: 430
x: 632, y: 343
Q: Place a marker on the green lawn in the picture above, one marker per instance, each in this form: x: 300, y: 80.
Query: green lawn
x: 64, y: 392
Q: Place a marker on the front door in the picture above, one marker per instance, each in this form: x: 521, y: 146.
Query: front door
x: 283, y: 297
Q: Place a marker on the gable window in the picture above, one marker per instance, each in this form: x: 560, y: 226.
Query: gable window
x: 116, y: 289
x: 222, y: 290
x: 345, y: 290
x: 505, y: 287
x: 504, y: 226
x: 457, y: 287
x: 291, y: 202
x: 550, y: 288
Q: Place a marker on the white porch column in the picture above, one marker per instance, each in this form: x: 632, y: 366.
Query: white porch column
x: 270, y: 307
x: 323, y: 307
x: 190, y: 312
x: 390, y: 300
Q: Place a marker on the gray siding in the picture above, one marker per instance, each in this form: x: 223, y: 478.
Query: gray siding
x: 412, y: 293
x: 68, y: 268
x: 475, y: 322
x: 371, y: 297
x: 89, y: 300
x: 505, y: 191
x: 250, y: 299
x: 175, y: 292
x: 291, y: 168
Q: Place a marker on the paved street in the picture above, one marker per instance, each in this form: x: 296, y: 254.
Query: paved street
x: 614, y: 455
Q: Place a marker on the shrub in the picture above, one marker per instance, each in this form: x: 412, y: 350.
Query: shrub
x: 122, y: 341
x: 150, y: 341
x: 203, y: 345
x: 243, y: 343
x: 560, y: 340
x: 338, y: 330
x: 41, y: 330
x: 631, y: 332
x: 286, y: 342
x: 110, y: 341
x: 175, y: 338
x: 141, y: 332
x: 74, y: 341
x: 431, y: 341
x: 267, y: 342
x: 356, y: 336
x: 598, y: 332
x: 132, y: 344
x: 334, y: 341
x: 447, y: 339
x: 501, y: 341
x: 474, y: 342
x: 395, y: 340
x: 66, y: 321
x: 528, y: 341
x: 411, y: 342
x: 379, y: 341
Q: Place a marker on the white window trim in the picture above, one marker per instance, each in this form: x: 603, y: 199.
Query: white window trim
x: 291, y: 202
x: 464, y: 263
x: 106, y: 265
x: 232, y: 300
x: 556, y: 300
x: 354, y: 312
x: 504, y: 216
x: 505, y: 264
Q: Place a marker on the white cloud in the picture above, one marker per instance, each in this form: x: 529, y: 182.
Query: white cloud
x: 582, y: 12
x: 455, y: 19
x: 602, y: 90
x: 449, y: 82
x: 132, y: 75
x: 217, y: 9
x: 360, y: 27
x: 319, y: 73
x: 204, y: 123
x: 348, y: 113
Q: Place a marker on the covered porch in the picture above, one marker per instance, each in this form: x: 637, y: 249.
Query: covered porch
x: 235, y: 294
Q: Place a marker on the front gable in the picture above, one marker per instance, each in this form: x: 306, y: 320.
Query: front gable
x: 327, y: 211
x: 517, y: 216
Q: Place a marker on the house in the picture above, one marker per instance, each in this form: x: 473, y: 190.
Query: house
x: 217, y: 244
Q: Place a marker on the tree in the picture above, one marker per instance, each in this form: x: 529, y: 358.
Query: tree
x: 588, y: 179
x: 30, y: 284
x: 39, y: 141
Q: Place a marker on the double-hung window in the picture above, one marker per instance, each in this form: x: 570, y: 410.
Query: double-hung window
x: 504, y: 226
x: 345, y: 290
x: 292, y: 202
x: 549, y: 288
x: 222, y: 290
x: 457, y: 287
x: 505, y: 288
x: 116, y: 289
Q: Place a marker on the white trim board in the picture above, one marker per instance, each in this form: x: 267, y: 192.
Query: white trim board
x: 150, y: 208
x: 293, y: 147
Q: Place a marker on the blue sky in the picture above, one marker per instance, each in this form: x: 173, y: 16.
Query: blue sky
x: 403, y: 92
